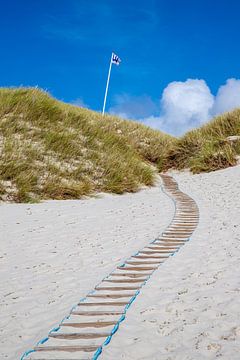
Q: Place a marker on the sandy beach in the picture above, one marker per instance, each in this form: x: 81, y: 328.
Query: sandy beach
x: 55, y: 252
x: 190, y: 308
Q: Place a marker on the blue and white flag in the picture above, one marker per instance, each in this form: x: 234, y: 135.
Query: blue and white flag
x: 115, y: 59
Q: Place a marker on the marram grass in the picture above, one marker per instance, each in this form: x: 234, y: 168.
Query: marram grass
x: 207, y: 148
x: 52, y: 150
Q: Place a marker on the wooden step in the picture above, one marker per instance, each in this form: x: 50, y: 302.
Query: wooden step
x: 127, y: 281
x: 106, y: 303
x: 75, y: 336
x: 131, y: 275
x: 177, y: 235
x: 70, y: 348
x: 111, y: 296
x: 92, y: 324
x: 117, y: 288
x: 174, y: 242
x: 177, y: 232
x: 185, y: 217
x: 169, y: 240
x: 96, y: 313
x: 143, y: 262
x: 159, y: 249
x: 135, y: 268
x: 165, y: 247
x: 181, y: 229
x: 163, y: 258
x: 152, y: 252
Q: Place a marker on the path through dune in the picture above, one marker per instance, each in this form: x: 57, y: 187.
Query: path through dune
x: 53, y: 253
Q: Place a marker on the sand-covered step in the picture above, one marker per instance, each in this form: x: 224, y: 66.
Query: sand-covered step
x: 151, y: 252
x: 61, y: 355
x: 164, y: 246
x: 159, y: 249
x: 117, y: 288
x: 178, y: 231
x: 184, y: 222
x: 174, y: 234
x: 78, y: 335
x: 89, y: 324
x: 170, y: 241
x: 177, y: 243
x: 175, y: 237
x: 102, y: 305
x: 106, y: 303
x: 185, y: 216
x: 146, y: 262
x: 112, y: 296
x: 67, y: 349
x: 163, y: 240
x: 130, y: 275
x: 185, y: 229
x: 145, y: 256
x: 186, y: 206
x: 73, y: 342
x: 137, y: 268
x: 177, y: 234
x: 88, y: 321
x: 125, y: 281
x: 96, y: 313
x: 85, y: 342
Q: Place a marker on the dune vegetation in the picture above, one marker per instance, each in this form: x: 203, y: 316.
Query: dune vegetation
x: 53, y: 150
x: 215, y: 145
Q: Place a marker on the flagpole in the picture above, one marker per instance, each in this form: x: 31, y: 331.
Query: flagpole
x: 106, y: 91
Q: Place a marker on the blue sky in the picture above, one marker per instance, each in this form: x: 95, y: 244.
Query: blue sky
x: 65, y: 46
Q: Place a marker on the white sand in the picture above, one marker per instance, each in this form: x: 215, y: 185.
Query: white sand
x: 190, y: 308
x: 53, y: 253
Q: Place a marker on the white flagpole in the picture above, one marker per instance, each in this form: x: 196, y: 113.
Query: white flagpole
x: 106, y: 91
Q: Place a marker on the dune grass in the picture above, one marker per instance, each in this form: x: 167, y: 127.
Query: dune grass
x: 53, y: 150
x: 207, y: 148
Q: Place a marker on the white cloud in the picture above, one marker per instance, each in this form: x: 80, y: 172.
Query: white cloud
x: 185, y: 105
x: 228, y: 97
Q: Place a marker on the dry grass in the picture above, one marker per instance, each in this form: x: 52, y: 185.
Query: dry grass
x: 207, y: 148
x: 52, y: 150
